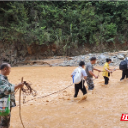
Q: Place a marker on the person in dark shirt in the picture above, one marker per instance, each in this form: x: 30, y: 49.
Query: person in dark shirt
x: 124, y: 72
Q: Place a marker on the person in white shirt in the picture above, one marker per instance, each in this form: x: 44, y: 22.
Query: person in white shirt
x: 81, y: 86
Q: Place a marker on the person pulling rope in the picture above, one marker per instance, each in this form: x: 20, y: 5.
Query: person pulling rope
x: 7, y: 97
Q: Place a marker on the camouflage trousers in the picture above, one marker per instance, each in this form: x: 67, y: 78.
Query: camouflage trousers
x: 90, y: 83
x: 5, y: 121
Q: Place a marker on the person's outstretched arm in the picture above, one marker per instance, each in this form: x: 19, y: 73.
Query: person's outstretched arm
x: 108, y: 70
x: 9, y: 89
x: 19, y: 86
x: 93, y: 74
x: 96, y: 69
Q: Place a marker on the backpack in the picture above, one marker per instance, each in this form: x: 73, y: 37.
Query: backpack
x: 77, y: 77
x: 5, y: 106
x: 123, y: 64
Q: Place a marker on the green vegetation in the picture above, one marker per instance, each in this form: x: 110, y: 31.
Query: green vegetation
x: 66, y: 24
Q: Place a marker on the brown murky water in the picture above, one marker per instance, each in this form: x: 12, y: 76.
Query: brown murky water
x: 102, y: 109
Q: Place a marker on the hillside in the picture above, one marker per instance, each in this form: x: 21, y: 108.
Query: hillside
x: 40, y: 29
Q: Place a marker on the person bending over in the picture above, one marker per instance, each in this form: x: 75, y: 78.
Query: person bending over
x: 89, y: 70
x: 7, y: 88
x: 81, y: 86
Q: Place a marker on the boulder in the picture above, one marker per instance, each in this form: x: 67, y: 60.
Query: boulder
x: 114, y: 59
x: 123, y: 52
x: 112, y: 53
x: 103, y: 57
x: 71, y: 62
x: 120, y: 56
x: 70, y: 58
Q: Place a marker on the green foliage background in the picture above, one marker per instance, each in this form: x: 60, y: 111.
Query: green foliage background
x: 66, y: 24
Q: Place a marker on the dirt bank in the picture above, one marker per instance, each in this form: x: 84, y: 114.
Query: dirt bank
x: 19, y: 53
x: 102, y: 109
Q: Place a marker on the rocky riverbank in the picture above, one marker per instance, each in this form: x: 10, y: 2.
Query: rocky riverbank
x: 18, y: 54
x: 116, y: 58
x: 64, y: 61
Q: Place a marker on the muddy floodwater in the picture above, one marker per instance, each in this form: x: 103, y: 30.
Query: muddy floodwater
x: 102, y: 109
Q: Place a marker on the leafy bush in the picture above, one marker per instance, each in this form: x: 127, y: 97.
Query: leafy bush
x: 65, y: 23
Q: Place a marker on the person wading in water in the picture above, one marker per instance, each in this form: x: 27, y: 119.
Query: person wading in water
x: 7, y: 89
x: 89, y: 70
x: 80, y: 85
x: 124, y: 72
x: 107, y: 71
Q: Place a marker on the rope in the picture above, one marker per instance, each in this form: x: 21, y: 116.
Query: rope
x: 50, y: 93
x: 97, y: 75
x: 103, y: 71
x: 26, y: 90
x: 20, y: 105
x: 34, y: 93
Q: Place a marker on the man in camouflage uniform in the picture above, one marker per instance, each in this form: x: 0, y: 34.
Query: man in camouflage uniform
x: 7, y: 88
x: 89, y: 70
